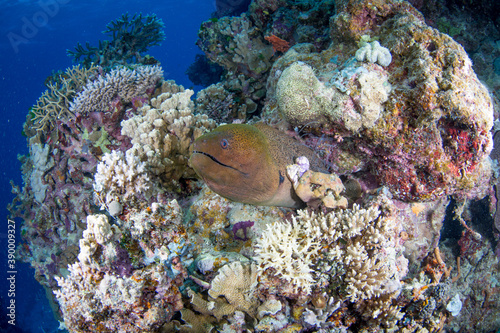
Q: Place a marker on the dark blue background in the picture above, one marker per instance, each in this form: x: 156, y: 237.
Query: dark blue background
x: 26, y: 62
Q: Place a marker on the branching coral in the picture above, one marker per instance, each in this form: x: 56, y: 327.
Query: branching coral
x: 162, y: 134
x: 120, y: 177
x: 357, y: 244
x: 131, y: 38
x: 54, y: 104
x: 288, y: 251
x: 122, y: 84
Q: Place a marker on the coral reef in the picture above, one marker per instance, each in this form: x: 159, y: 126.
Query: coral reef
x: 233, y: 43
x: 119, y: 228
x: 131, y: 38
x: 97, y: 295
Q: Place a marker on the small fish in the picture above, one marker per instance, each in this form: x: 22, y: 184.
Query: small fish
x: 247, y: 163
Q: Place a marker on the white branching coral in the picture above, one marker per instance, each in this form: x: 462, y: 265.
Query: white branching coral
x: 98, y: 235
x: 357, y: 246
x: 121, y: 83
x: 162, y: 134
x: 289, y: 249
x: 94, y: 301
x: 104, y: 292
x: 120, y: 177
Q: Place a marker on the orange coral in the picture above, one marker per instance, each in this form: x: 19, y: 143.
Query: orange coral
x: 278, y: 43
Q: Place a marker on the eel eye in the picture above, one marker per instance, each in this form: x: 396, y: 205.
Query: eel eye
x: 224, y: 144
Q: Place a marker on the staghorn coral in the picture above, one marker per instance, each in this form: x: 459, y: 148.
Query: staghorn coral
x: 121, y: 84
x: 162, y: 134
x: 131, y: 38
x: 54, y: 104
x: 357, y: 248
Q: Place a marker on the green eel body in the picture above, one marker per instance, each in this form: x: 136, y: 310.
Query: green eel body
x: 247, y: 163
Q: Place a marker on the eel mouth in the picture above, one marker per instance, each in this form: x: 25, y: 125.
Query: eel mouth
x: 218, y: 162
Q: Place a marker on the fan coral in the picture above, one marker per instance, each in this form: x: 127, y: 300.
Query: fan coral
x: 121, y: 83
x: 131, y: 38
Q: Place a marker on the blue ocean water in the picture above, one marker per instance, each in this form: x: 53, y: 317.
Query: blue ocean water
x: 34, y: 38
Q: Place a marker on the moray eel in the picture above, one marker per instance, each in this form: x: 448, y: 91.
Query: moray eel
x: 247, y: 163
